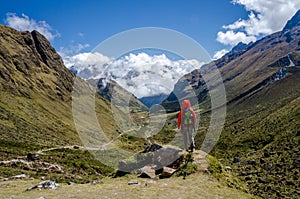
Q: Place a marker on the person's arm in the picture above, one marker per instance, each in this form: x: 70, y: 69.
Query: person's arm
x: 194, y: 118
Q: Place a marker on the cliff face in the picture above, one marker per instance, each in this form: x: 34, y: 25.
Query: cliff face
x: 36, y: 90
x: 36, y: 93
x: 28, y: 64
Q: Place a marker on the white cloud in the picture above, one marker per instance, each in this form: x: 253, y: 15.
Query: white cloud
x: 220, y: 54
x: 24, y: 23
x: 233, y: 38
x: 87, y: 65
x: 141, y: 74
x: 266, y: 17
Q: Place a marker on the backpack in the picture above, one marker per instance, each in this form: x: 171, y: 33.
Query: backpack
x: 187, y: 117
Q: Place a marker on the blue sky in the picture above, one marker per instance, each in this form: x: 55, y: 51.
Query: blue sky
x: 76, y: 27
x: 89, y: 22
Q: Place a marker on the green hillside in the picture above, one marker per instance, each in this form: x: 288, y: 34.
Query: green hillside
x: 36, y: 107
x: 260, y: 138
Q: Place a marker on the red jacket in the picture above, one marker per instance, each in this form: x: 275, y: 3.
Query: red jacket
x: 186, y: 104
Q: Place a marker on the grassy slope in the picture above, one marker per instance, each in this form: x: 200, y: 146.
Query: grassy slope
x: 262, y: 115
x: 36, y: 108
x: 262, y: 123
x: 195, y: 186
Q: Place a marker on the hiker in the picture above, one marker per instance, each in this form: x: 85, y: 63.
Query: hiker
x: 187, y: 122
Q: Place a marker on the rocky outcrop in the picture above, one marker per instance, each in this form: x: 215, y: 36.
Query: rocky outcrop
x: 48, y: 184
x: 164, y: 161
x: 152, y: 158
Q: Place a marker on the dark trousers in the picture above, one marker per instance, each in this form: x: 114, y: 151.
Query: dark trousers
x: 187, y: 132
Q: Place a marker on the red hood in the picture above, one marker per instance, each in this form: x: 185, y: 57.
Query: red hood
x: 186, y: 104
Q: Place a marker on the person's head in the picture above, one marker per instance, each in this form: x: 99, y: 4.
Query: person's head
x: 186, y: 104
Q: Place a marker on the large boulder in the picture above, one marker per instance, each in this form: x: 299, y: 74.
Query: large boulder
x: 155, y: 157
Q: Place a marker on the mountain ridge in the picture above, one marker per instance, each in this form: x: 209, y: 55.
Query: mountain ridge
x: 293, y: 22
x: 262, y: 82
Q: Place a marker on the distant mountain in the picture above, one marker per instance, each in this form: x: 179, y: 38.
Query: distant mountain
x: 152, y: 100
x: 262, y: 82
x: 110, y: 89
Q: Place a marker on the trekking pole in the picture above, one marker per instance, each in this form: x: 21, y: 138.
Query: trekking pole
x: 193, y: 141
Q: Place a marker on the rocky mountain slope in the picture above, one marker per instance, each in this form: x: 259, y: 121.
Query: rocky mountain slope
x: 35, y: 90
x: 261, y: 135
x: 36, y: 108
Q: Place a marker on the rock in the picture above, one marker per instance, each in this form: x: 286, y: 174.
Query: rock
x: 167, y: 172
x: 4, y: 179
x: 96, y: 181
x: 152, y: 182
x: 133, y: 183
x: 48, y: 184
x: 206, y: 171
x: 21, y: 176
x: 18, y: 176
x: 165, y: 157
x: 122, y: 165
x: 228, y: 168
x: 32, y: 157
x: 70, y: 183
x: 135, y: 162
x: 148, y: 171
x: 152, y: 148
x: 236, y: 160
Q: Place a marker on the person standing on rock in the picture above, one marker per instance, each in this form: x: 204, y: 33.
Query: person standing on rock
x: 187, y: 122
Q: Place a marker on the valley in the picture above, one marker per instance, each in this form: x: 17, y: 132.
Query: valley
x: 48, y: 128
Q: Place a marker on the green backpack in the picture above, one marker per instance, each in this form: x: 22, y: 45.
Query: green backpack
x: 187, y: 117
